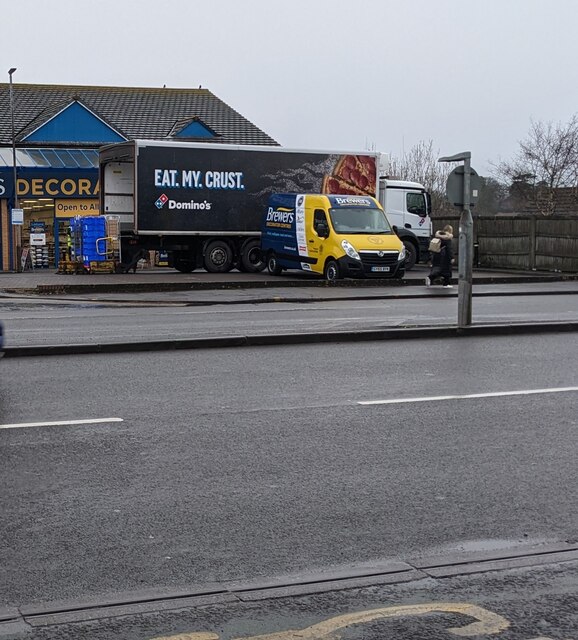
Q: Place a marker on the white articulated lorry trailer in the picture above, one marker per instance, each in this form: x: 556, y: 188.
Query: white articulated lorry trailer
x: 202, y: 203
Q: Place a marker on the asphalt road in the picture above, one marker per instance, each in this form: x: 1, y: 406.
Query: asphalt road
x: 238, y: 464
x: 53, y: 322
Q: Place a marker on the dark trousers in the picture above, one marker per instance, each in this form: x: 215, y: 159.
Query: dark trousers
x: 436, y: 273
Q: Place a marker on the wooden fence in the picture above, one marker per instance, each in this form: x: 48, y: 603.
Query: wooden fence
x: 521, y: 242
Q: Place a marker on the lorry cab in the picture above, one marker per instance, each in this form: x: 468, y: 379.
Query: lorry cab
x: 334, y: 236
x: 408, y: 207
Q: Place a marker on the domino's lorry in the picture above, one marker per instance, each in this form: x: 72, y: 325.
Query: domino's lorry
x: 202, y: 204
x: 334, y: 236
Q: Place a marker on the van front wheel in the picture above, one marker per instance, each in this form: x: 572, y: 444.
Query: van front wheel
x: 331, y: 271
x: 273, y: 266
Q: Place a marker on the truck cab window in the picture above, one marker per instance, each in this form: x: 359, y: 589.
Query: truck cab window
x: 416, y: 204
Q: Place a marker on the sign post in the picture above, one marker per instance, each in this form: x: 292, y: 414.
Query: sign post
x: 462, y: 191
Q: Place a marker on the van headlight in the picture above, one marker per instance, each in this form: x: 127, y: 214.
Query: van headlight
x: 401, y: 255
x: 350, y: 250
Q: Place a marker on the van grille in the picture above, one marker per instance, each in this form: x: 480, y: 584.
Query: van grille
x: 372, y: 259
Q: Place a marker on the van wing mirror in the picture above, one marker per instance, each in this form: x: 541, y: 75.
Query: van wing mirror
x: 323, y: 229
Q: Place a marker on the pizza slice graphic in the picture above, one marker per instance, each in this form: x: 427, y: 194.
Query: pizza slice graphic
x: 352, y: 175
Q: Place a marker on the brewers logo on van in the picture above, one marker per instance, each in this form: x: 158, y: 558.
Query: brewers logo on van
x: 334, y: 236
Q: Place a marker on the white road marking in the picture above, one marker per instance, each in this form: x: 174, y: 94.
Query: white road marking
x: 496, y: 394
x: 60, y: 423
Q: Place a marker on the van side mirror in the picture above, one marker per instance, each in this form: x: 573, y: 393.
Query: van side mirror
x: 394, y: 227
x: 322, y: 230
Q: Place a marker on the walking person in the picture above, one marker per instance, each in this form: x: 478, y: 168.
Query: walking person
x: 442, y: 260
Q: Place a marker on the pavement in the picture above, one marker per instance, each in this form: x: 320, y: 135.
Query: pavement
x: 49, y: 282
x: 167, y: 286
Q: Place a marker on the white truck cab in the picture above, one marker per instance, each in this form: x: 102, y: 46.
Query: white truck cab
x: 408, y: 207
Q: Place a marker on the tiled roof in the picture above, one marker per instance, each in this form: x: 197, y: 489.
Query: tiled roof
x: 137, y: 113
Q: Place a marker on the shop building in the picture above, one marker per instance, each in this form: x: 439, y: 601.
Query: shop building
x: 58, y: 130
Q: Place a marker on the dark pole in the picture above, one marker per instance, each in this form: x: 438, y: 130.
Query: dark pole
x: 10, y: 72
x: 15, y: 172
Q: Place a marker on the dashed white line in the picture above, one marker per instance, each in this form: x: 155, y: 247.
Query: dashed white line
x: 496, y: 394
x: 59, y: 423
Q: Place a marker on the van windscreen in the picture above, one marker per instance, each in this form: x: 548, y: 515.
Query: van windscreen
x: 364, y: 220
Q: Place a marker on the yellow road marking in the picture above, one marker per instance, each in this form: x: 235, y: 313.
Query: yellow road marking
x: 486, y: 623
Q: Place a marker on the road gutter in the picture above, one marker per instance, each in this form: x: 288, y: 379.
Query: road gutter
x: 135, y: 603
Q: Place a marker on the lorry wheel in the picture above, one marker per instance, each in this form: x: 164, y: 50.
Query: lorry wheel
x: 273, y: 266
x: 251, y: 257
x: 410, y: 254
x: 218, y: 257
x: 331, y: 271
x: 184, y: 266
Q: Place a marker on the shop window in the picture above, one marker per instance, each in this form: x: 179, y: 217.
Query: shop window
x: 38, y: 158
x: 54, y: 161
x: 38, y: 232
x: 84, y: 159
x: 66, y: 158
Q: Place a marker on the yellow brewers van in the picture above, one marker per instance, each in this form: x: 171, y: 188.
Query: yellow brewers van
x: 334, y: 236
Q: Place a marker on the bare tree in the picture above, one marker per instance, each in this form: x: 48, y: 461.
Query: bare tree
x: 491, y: 196
x: 420, y: 164
x: 546, y: 162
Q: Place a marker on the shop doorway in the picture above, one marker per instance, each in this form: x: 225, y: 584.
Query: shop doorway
x: 38, y: 232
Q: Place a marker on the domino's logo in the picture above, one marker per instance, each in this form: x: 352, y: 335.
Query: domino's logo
x: 160, y: 203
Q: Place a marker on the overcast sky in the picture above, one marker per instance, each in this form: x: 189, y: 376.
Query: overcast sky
x: 324, y: 74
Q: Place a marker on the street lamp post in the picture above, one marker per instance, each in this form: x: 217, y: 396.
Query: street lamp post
x: 464, y: 197
x: 10, y: 72
x: 18, y: 229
